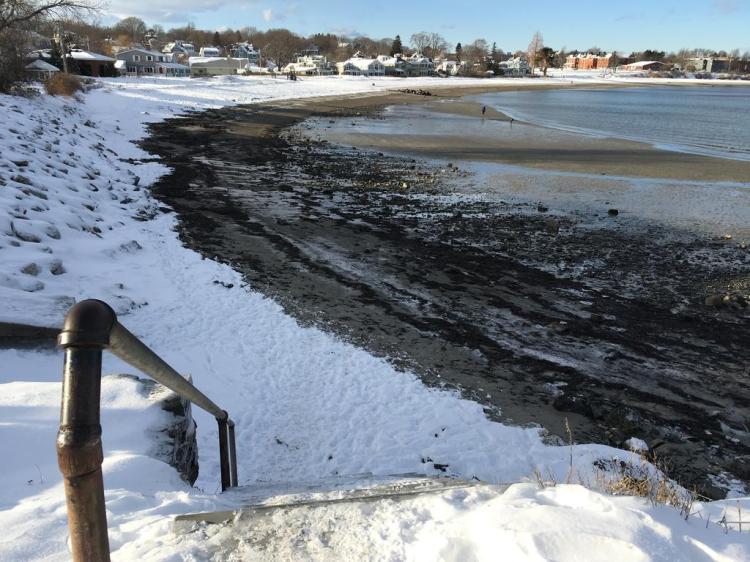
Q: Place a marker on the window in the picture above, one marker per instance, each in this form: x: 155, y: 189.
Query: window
x: 137, y: 58
x: 149, y: 58
x: 149, y: 69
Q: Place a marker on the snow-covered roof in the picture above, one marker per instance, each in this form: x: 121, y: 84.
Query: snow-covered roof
x: 644, y: 63
x: 39, y: 64
x: 362, y: 64
x: 147, y: 51
x: 211, y: 60
x: 80, y: 54
x: 120, y: 64
x: 173, y: 65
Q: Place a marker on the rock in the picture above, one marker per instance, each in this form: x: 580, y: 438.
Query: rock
x: 551, y: 226
x: 542, y: 209
x: 613, y: 212
x: 21, y: 163
x: 56, y: 267
x: 136, y: 180
x: 52, y: 232
x: 715, y: 301
x: 22, y: 233
x: 30, y: 269
x: 18, y: 178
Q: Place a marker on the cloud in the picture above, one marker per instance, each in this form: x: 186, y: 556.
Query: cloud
x: 727, y: 6
x: 268, y: 15
x: 168, y: 11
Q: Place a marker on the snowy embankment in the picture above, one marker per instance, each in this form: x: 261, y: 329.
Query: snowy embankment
x: 77, y: 222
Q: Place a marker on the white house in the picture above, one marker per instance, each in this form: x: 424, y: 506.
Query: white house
x: 452, y: 67
x: 359, y: 66
x: 210, y: 52
x: 517, y: 66
x: 311, y: 65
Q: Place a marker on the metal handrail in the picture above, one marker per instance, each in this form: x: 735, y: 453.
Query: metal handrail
x: 90, y: 327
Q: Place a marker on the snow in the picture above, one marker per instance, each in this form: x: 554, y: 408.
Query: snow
x: 307, y: 406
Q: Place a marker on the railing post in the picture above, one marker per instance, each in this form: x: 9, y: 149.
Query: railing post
x: 233, y: 454
x: 226, y: 478
x: 79, y: 448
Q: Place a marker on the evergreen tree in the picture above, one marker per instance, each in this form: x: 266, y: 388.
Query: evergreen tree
x: 458, y: 52
x: 494, y: 53
x: 217, y: 39
x: 396, y: 47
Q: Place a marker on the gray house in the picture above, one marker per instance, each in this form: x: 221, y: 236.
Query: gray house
x: 143, y: 62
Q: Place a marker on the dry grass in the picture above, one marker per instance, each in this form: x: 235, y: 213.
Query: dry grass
x: 62, y: 84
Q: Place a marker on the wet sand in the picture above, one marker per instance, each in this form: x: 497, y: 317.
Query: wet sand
x: 542, y: 322
x: 531, y: 146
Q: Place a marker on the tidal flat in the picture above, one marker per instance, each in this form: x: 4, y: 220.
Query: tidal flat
x: 538, y: 287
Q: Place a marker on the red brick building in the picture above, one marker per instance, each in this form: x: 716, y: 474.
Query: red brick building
x: 587, y: 61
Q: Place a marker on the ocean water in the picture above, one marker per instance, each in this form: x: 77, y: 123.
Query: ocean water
x: 703, y: 120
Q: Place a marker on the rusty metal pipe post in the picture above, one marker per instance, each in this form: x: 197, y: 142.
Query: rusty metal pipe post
x: 226, y: 478
x: 79, y: 448
x: 233, y: 454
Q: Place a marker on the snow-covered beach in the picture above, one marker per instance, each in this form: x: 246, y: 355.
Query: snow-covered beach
x: 78, y: 222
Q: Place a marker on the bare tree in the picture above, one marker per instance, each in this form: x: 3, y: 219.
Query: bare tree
x: 436, y: 45
x: 420, y: 41
x: 21, y: 13
x: 535, y: 47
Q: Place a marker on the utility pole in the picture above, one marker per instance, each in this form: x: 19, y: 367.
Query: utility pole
x: 63, y: 50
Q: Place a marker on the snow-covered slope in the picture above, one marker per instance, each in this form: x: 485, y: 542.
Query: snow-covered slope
x: 77, y: 221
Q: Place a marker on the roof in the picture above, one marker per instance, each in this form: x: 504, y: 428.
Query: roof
x: 79, y: 54
x: 362, y: 64
x: 147, y: 51
x: 645, y: 63
x: 213, y: 60
x: 39, y: 64
x: 121, y: 64
x: 173, y: 65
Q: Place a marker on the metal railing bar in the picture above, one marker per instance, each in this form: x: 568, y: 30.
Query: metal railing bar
x: 134, y: 352
x: 90, y: 327
x: 232, y: 454
x: 226, y: 477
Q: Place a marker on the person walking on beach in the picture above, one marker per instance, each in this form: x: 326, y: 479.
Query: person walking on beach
x: 484, y: 110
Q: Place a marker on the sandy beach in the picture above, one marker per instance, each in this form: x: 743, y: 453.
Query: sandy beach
x: 527, y: 145
x: 546, y: 314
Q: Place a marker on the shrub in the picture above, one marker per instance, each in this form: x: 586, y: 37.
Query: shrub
x: 62, y: 84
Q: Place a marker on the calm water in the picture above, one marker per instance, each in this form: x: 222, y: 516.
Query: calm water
x: 704, y: 120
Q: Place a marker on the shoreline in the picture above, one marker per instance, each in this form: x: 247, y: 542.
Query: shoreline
x: 540, y: 147
x: 539, y: 326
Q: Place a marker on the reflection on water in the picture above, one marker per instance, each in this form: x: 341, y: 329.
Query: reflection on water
x: 704, y: 120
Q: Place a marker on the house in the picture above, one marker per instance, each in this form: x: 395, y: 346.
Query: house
x: 210, y: 52
x: 516, y: 66
x: 41, y: 70
x: 393, y: 66
x: 140, y: 62
x: 451, y: 67
x: 92, y: 64
x: 310, y: 65
x: 643, y: 66
x: 216, y: 66
x: 181, y: 51
x: 361, y: 66
x: 248, y: 52
x: 419, y: 65
x: 709, y: 64
x: 589, y: 61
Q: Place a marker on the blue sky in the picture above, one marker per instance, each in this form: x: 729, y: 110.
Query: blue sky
x: 622, y: 26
